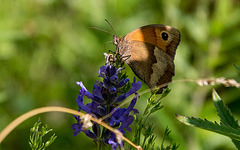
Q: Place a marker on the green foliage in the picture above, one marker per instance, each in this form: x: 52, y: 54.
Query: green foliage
x: 146, y: 131
x: 228, y: 124
x: 224, y: 112
x: 173, y: 146
x: 37, y: 132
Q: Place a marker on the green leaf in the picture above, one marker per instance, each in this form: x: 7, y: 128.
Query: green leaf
x: 224, y: 112
x: 165, y: 92
x: 156, y: 108
x: 51, y: 140
x: 207, y: 125
x: 225, y: 115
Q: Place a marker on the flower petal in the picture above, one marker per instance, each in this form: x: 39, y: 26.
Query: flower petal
x: 84, y: 91
x: 77, y: 127
x: 97, y: 91
x: 122, y: 83
x: 120, y: 98
x: 90, y: 134
x: 112, y: 71
x: 130, y: 107
x: 135, y: 87
x: 114, y: 79
x: 102, y: 72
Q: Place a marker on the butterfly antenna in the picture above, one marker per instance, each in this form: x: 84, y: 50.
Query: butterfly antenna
x: 110, y: 26
x: 101, y: 30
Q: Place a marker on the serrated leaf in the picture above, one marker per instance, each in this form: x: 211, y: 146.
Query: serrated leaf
x: 224, y: 112
x: 183, y: 119
x: 208, y: 125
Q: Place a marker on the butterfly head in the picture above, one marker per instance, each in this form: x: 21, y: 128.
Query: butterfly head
x: 115, y: 40
x: 120, y: 44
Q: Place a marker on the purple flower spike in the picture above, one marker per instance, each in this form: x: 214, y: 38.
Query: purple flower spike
x: 107, y: 94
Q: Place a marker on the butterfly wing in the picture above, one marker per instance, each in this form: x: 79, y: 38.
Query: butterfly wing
x: 151, y: 49
x: 152, y: 34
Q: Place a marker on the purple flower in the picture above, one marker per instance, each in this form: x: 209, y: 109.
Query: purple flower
x: 114, y: 79
x: 77, y: 127
x: 105, y: 95
x: 122, y: 83
x: 112, y: 90
x: 84, y: 91
x: 112, y: 141
x: 121, y: 116
x: 135, y: 87
x: 102, y: 71
x: 90, y: 134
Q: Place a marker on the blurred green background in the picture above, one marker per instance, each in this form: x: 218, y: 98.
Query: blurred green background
x: 47, y: 45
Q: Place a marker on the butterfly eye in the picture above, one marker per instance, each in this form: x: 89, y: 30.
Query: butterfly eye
x: 164, y: 36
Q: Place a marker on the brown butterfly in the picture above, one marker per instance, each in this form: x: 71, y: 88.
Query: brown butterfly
x: 150, y: 52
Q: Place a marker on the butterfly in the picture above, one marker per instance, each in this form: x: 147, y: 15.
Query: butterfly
x: 150, y: 52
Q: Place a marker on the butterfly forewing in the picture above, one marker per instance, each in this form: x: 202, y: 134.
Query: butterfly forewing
x: 151, y: 50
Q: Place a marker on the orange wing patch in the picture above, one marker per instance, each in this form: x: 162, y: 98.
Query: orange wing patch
x: 148, y: 34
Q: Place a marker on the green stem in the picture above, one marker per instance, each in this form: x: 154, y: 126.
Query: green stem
x: 98, y: 145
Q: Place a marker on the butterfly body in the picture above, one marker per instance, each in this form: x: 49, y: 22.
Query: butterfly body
x: 150, y: 52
